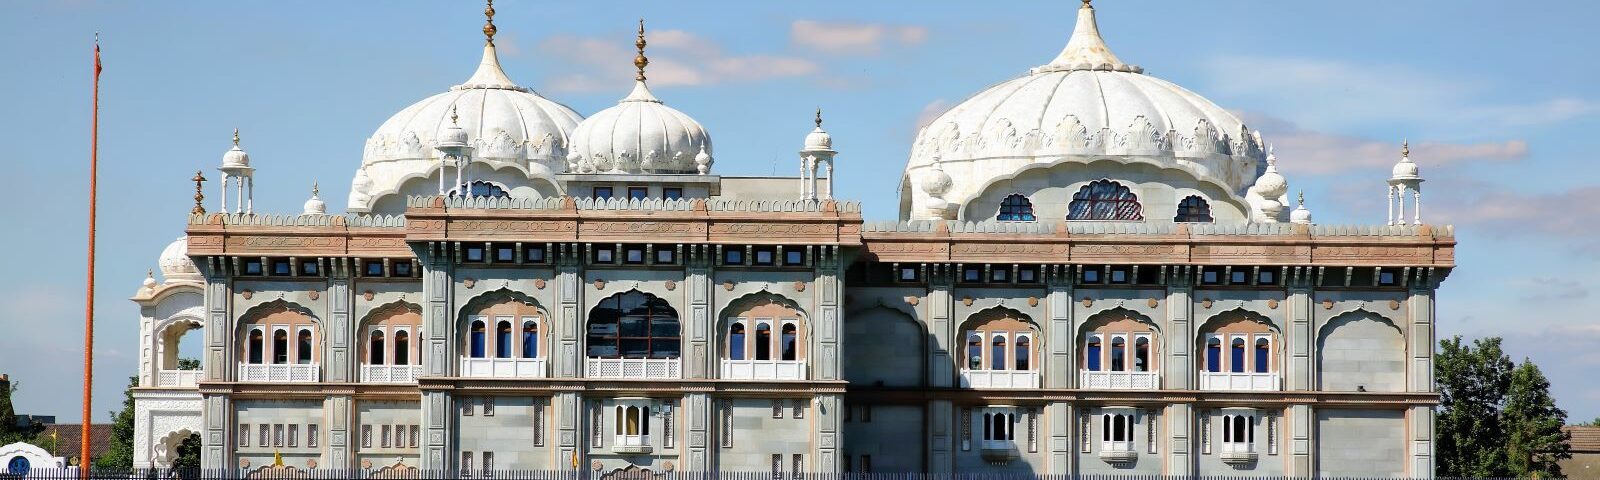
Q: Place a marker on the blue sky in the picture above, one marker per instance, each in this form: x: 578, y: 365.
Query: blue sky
x: 1498, y: 100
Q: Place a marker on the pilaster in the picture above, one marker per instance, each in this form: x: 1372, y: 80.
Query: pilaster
x: 1060, y: 369
x: 941, y: 440
x: 437, y: 325
x: 218, y: 364
x: 825, y: 454
x: 830, y: 290
x: 699, y: 409
x: 701, y: 357
x: 1299, y: 338
x: 339, y: 330
x: 568, y: 361
x: 1178, y: 425
x: 1180, y: 338
x: 1302, y: 421
x: 1421, y: 338
x: 570, y: 421
x: 340, y: 416
x: 1421, y: 437
x: 1063, y: 429
x: 217, y: 416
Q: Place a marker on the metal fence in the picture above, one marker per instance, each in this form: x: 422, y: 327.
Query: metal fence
x: 631, y: 474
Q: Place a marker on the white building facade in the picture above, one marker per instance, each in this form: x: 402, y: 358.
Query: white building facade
x: 1094, y: 271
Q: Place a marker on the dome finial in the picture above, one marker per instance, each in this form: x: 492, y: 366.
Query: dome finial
x: 1405, y: 148
x: 819, y: 117
x: 316, y: 189
x: 453, y: 116
x: 198, y: 197
x: 488, y: 25
x: 1086, y: 4
x: 640, y: 61
x: 1086, y: 50
x: 236, y: 136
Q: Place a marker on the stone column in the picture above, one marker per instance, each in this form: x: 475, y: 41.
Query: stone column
x: 830, y: 290
x: 941, y: 437
x: 701, y: 358
x: 1301, y: 421
x: 1180, y: 330
x: 1300, y: 340
x: 571, y: 417
x: 829, y: 413
x: 1061, y: 418
x: 217, y: 416
x: 1061, y: 369
x: 1421, y: 436
x: 1178, y: 426
x: 699, y: 409
x: 438, y: 322
x: 339, y: 329
x: 567, y: 361
x: 341, y: 414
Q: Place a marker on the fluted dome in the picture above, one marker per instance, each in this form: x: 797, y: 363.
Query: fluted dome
x: 506, y: 124
x: 1405, y: 169
x: 1085, y: 105
x: 640, y: 134
x: 175, y: 262
x: 235, y: 158
x: 315, y: 205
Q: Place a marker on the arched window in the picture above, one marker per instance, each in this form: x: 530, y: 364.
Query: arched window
x: 255, y: 345
x: 479, y: 188
x: 1091, y: 352
x: 1236, y: 355
x: 788, y: 339
x: 1263, y: 355
x: 402, y: 348
x: 1120, y: 342
x: 304, y: 348
x: 1015, y: 208
x: 280, y: 347
x: 375, y: 350
x: 1193, y: 209
x: 1104, y: 200
x: 1213, y: 355
x: 736, y: 342
x: 633, y: 325
x: 530, y: 339
x: 764, y: 341
x: 1141, y: 354
x: 1119, y: 354
x: 502, y: 339
x: 1022, y: 353
x: 477, y: 338
x: 997, y: 355
x: 975, y: 351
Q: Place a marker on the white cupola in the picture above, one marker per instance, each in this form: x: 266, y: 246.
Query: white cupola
x: 236, y: 167
x: 640, y: 134
x: 1301, y: 215
x: 817, y: 153
x: 315, y: 205
x: 1405, y: 179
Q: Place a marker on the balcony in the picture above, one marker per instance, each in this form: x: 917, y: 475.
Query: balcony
x: 1105, y: 380
x: 999, y: 379
x: 279, y: 372
x: 998, y: 451
x: 763, y: 369
x: 390, y: 373
x: 631, y: 444
x: 636, y: 368
x: 503, y: 367
x: 1249, y: 382
x: 1118, y: 452
x: 178, y: 378
x: 1238, y: 453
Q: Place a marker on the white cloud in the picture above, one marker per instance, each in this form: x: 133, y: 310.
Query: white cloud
x: 1339, y: 94
x: 930, y: 112
x: 677, y: 58
x: 852, y: 38
x: 1303, y: 151
x: 1550, y: 289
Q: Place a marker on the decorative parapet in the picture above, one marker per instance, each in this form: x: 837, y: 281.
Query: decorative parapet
x: 568, y: 219
x: 298, y: 235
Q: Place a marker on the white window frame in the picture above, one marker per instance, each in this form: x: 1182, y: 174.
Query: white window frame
x: 1133, y: 352
x: 1230, y: 442
x: 538, y: 333
x: 986, y: 439
x: 1109, y: 432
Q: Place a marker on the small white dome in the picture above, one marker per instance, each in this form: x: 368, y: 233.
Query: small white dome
x: 175, y: 262
x: 1300, y: 215
x: 149, y: 281
x: 819, y: 139
x: 315, y: 205
x: 452, y: 136
x: 640, y: 135
x: 235, y: 157
x: 1405, y: 169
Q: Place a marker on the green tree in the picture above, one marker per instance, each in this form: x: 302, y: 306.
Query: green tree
x: 1472, y: 381
x: 188, y: 453
x: 120, y: 454
x: 188, y: 364
x: 1533, y: 423
x: 1592, y: 423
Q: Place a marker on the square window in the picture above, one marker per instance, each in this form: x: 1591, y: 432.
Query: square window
x: 252, y: 267
x: 1119, y: 276
x: 638, y: 193
x: 280, y: 267
x: 474, y: 253
x: 308, y: 267
x: 1091, y: 275
x: 672, y: 193
x: 1267, y: 277
x: 1209, y: 277
x: 665, y: 256
x: 971, y: 274
x: 764, y: 257
x: 374, y: 269
x: 1237, y: 277
x: 1000, y: 275
x: 504, y: 253
x: 908, y: 274
x: 402, y: 269
x: 602, y: 192
x: 1028, y: 274
x: 633, y: 255
x: 794, y: 257
x: 604, y: 255
x: 1386, y: 278
x: 534, y: 254
x: 733, y: 256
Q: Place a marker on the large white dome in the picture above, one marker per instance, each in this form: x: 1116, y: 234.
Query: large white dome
x: 1086, y: 105
x: 639, y: 135
x: 176, y: 266
x: 506, y: 124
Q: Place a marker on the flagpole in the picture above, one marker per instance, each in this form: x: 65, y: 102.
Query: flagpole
x: 88, y: 306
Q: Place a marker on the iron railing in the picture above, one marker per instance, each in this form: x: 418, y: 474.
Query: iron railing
x: 632, y: 473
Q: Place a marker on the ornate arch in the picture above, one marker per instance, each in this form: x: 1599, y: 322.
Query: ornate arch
x: 166, y: 448
x: 756, y: 299
x: 1234, y: 315
x: 1355, y: 314
x: 1113, y: 314
x: 495, y: 297
x: 278, y: 306
x: 997, y: 311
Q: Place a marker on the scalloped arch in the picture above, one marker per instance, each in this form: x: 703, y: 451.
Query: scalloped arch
x: 1001, y: 310
x: 1212, y: 322
x: 492, y: 297
x: 400, y: 183
x: 1355, y: 313
x: 1113, y: 314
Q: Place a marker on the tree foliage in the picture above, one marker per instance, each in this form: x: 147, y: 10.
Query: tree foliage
x: 1496, y: 418
x: 120, y: 454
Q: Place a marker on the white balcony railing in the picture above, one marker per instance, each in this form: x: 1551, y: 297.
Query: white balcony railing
x: 279, y: 372
x: 1238, y: 452
x: 178, y: 378
x: 999, y: 379
x: 1118, y: 452
x: 1255, y: 382
x: 631, y: 444
x: 503, y: 367
x: 643, y: 368
x: 763, y: 369
x: 1119, y: 380
x: 390, y: 373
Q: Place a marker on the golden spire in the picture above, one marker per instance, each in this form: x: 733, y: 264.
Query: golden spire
x: 1302, y: 198
x: 315, y: 191
x: 277, y: 458
x: 640, y: 61
x: 488, y: 24
x: 1405, y: 147
x: 235, y: 137
x: 453, y: 116
x: 819, y: 117
x: 1087, y: 5
x: 198, y: 197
